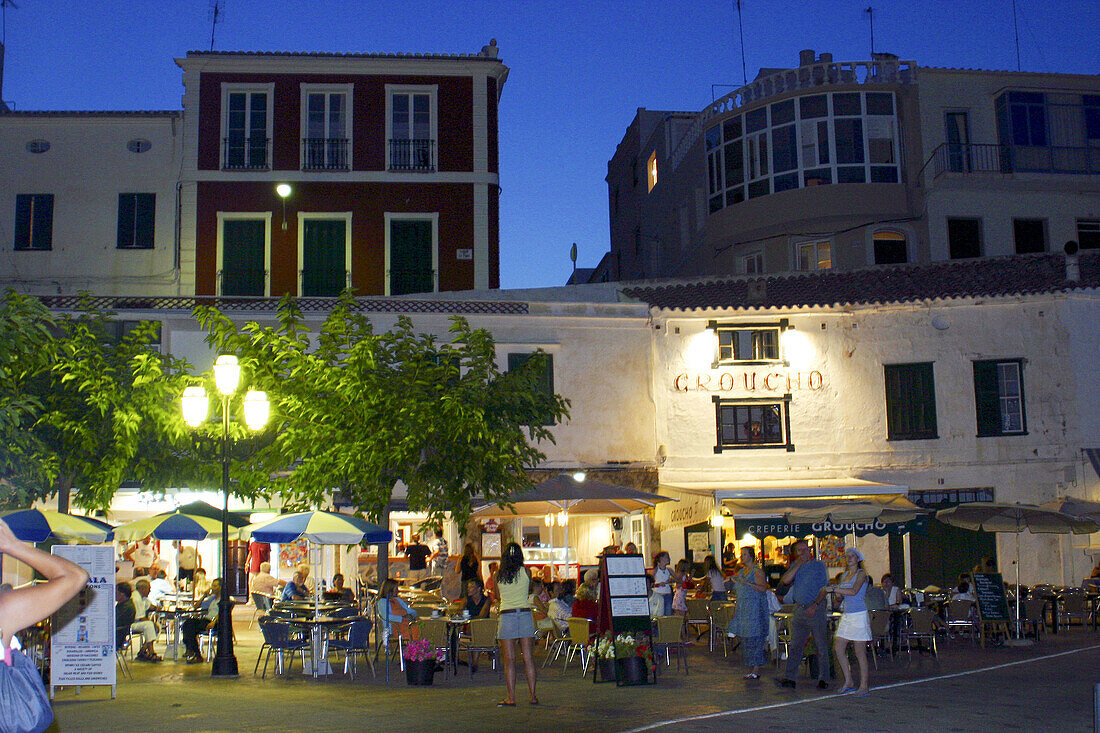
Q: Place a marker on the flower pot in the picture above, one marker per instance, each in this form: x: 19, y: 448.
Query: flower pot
x: 420, y: 673
x: 607, y: 669
x: 632, y: 670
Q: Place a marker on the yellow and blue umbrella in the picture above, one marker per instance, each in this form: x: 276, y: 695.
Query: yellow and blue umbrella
x: 173, y: 526
x: 323, y: 528
x: 39, y: 525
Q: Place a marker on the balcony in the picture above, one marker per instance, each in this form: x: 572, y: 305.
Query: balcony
x: 323, y: 282
x: 246, y: 154
x: 970, y: 158
x: 412, y: 155
x: 325, y: 154
x: 242, y: 281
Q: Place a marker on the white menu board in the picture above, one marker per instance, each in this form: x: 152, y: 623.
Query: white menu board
x: 629, y: 586
x: 82, y: 645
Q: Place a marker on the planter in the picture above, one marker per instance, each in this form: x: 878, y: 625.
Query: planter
x: 420, y: 673
x: 632, y: 671
x: 607, y: 669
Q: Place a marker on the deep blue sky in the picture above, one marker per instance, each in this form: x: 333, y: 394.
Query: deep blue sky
x: 579, y: 70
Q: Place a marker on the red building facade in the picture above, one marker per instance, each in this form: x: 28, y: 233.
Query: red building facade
x: 305, y: 174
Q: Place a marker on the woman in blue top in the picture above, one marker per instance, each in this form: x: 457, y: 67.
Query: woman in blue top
x: 855, y: 624
x: 391, y: 609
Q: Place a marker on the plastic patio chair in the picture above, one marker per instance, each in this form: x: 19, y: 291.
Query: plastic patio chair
x: 579, y: 639
x: 277, y: 639
x: 669, y: 638
x: 356, y: 643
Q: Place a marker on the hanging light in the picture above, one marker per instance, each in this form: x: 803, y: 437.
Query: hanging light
x: 716, y: 520
x: 563, y: 518
x: 256, y: 409
x: 548, y: 520
x: 579, y: 476
x: 227, y: 374
x: 195, y: 406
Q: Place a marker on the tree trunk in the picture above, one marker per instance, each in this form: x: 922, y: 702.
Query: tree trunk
x: 64, y: 489
x: 384, y: 551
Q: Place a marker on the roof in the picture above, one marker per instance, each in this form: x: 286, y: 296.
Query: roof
x: 270, y: 305
x: 339, y: 55
x: 996, y: 276
x: 92, y: 113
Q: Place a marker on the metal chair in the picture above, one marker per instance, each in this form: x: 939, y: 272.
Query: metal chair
x: 1035, y: 615
x: 435, y: 631
x: 1073, y: 606
x: 719, y: 622
x: 698, y: 614
x: 880, y: 633
x: 482, y: 640
x: 556, y: 642
x: 277, y: 639
x: 960, y: 616
x: 357, y: 642
x: 261, y: 605
x: 579, y: 639
x: 921, y: 626
x: 669, y: 638
x: 120, y: 654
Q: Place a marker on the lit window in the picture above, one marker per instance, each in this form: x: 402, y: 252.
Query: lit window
x: 889, y: 248
x: 752, y: 424
x: 651, y: 170
x: 815, y: 255
x: 747, y: 342
x: 999, y: 398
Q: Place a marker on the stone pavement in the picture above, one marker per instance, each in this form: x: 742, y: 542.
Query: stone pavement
x: 1048, y: 686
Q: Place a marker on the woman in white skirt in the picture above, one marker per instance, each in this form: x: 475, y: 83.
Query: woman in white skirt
x: 855, y: 624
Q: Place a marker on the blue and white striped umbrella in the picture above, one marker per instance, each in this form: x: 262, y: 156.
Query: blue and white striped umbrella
x: 324, y: 528
x: 39, y: 525
x: 173, y: 526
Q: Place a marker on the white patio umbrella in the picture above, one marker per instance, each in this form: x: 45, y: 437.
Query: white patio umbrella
x: 1015, y: 518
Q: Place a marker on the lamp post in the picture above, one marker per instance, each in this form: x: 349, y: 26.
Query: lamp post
x: 284, y: 190
x: 227, y: 377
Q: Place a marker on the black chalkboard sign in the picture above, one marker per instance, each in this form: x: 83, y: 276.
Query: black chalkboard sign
x: 990, y: 590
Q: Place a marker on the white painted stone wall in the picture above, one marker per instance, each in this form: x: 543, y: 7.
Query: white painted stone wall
x: 86, y: 168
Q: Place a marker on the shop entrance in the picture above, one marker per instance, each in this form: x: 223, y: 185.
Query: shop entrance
x: 943, y: 552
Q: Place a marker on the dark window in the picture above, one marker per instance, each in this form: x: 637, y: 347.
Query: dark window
x: 731, y: 128
x: 1027, y: 113
x: 735, y: 163
x: 964, y: 238
x: 815, y: 106
x: 243, y: 257
x: 999, y: 398
x: 136, y: 218
x: 879, y: 103
x: 38, y: 146
x: 910, y: 401
x: 756, y: 120
x: 1030, y: 235
x: 544, y: 389
x: 713, y: 137
x: 884, y: 174
x: 890, y: 248
x: 1088, y: 233
x: 784, y: 149
x: 846, y: 104
x: 324, y: 272
x: 752, y: 424
x: 411, y: 257
x: 1092, y: 116
x: 848, y: 174
x: 33, y: 221
x: 782, y: 112
x: 849, y: 141
x: 138, y: 145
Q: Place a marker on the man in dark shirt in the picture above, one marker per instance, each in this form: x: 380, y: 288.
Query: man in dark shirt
x: 418, y: 558
x: 125, y: 613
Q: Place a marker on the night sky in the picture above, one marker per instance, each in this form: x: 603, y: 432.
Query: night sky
x: 578, y: 72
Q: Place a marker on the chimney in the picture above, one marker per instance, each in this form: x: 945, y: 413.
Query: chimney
x: 825, y: 58
x: 1073, y: 270
x: 806, y: 57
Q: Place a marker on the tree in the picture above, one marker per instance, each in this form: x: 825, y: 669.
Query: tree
x: 96, y: 406
x: 359, y: 411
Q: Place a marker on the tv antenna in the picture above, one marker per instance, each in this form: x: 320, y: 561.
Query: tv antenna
x: 216, y: 8
x: 4, y: 5
x: 741, y: 33
x: 871, y: 19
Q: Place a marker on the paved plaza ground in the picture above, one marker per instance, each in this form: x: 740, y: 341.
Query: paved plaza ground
x: 1048, y: 686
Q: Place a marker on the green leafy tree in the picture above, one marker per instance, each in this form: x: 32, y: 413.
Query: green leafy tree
x: 359, y: 411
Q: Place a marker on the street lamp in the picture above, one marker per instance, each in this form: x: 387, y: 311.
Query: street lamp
x: 227, y: 377
x: 284, y: 190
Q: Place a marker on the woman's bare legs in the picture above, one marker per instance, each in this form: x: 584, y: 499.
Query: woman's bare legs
x: 840, y: 646
x: 528, y: 647
x: 508, y: 649
x: 861, y: 657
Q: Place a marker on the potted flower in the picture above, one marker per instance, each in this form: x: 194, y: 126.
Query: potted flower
x: 624, y: 658
x: 421, y: 660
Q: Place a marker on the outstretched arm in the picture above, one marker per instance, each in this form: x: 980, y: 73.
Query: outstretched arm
x: 25, y: 606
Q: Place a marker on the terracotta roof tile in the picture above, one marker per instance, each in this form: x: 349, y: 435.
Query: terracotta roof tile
x: 977, y: 278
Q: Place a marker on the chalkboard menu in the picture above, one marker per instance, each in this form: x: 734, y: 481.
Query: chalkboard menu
x: 625, y: 590
x: 990, y: 590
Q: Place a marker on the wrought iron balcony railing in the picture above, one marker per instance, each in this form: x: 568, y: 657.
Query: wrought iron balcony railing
x: 246, y: 154
x: 956, y: 158
x: 325, y: 154
x: 412, y: 155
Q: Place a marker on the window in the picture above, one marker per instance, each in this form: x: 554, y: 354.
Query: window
x: 752, y: 424
x: 1030, y: 235
x: 964, y: 238
x: 1091, y: 104
x: 544, y: 388
x: 136, y: 215
x: 34, y: 221
x: 138, y: 145
x: 999, y: 398
x: 957, y: 134
x: 814, y: 255
x: 747, y: 342
x: 1027, y: 118
x: 412, y: 253
x: 38, y: 146
x: 910, y: 402
x: 244, y: 257
x: 324, y: 252
x: 752, y: 263
x: 411, y: 128
x: 326, y: 120
x: 246, y: 127
x: 651, y: 170
x: 890, y: 248
x: 1088, y: 233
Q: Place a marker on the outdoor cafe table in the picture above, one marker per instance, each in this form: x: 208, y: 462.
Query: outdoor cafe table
x: 455, y: 626
x: 318, y: 629
x: 174, y: 611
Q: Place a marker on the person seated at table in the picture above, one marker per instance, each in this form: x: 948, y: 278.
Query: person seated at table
x: 296, y: 589
x: 160, y: 588
x: 263, y: 582
x: 200, y: 586
x: 338, y: 589
x: 963, y: 592
x: 584, y: 605
x: 124, y: 613
x: 490, y: 585
x: 569, y: 591
x: 557, y: 610
x: 539, y: 602
x: 477, y: 601
x: 630, y: 549
x: 894, y: 596
x: 192, y: 627
x: 143, y: 623
x: 393, y: 612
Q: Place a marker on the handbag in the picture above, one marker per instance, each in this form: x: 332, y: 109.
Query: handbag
x: 24, y: 705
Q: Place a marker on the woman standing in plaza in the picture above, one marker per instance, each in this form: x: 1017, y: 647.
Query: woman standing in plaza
x: 750, y: 623
x: 855, y: 623
x: 516, y: 622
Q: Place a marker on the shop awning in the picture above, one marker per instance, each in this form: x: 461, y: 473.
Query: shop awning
x: 820, y: 516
